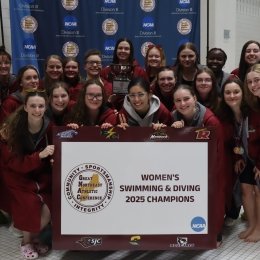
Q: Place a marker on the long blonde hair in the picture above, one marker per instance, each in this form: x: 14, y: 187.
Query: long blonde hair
x: 252, y: 100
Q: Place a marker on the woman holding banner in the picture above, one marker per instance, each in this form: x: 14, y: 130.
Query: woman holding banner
x: 190, y: 113
x: 252, y: 201
x: 141, y: 107
x: 27, y: 171
x: 91, y: 108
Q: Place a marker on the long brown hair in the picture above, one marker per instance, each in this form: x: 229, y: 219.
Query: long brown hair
x: 80, y: 112
x: 17, y: 125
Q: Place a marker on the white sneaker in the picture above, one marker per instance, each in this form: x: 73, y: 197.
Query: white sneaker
x: 229, y: 222
x: 16, y: 232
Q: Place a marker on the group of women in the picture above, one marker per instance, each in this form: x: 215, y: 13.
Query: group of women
x: 185, y: 95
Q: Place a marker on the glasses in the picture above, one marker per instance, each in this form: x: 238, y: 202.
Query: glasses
x: 91, y: 96
x: 137, y: 95
x: 94, y: 62
x: 207, y: 80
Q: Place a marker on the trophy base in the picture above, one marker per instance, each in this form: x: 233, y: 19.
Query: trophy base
x: 120, y: 86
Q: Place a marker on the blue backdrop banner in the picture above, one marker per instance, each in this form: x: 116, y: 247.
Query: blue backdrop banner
x: 71, y: 27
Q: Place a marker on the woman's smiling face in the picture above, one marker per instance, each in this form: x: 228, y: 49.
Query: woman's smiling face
x: 139, y: 99
x: 185, y: 102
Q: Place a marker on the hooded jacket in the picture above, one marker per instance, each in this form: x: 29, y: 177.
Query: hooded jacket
x: 156, y: 113
x: 11, y: 103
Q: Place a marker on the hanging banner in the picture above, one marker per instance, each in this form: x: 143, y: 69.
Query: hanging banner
x: 70, y: 27
x: 134, y: 189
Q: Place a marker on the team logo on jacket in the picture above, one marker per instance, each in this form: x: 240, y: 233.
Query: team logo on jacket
x: 89, y: 188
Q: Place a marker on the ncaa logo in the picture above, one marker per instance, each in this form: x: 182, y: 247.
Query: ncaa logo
x: 109, y: 47
x: 148, y: 23
x: 28, y: 1
x: 198, y: 224
x: 109, y: 3
x: 29, y: 45
x: 184, y: 3
x: 70, y: 22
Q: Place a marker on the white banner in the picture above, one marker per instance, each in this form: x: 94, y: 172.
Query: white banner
x: 134, y: 188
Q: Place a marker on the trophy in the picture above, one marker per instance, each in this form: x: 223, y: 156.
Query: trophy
x: 121, y: 77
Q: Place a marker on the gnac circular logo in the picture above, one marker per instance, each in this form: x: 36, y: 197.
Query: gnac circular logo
x: 110, y: 26
x: 29, y: 24
x: 89, y: 188
x: 147, y: 5
x: 184, y: 26
x: 70, y: 4
x: 70, y: 49
x: 144, y: 47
